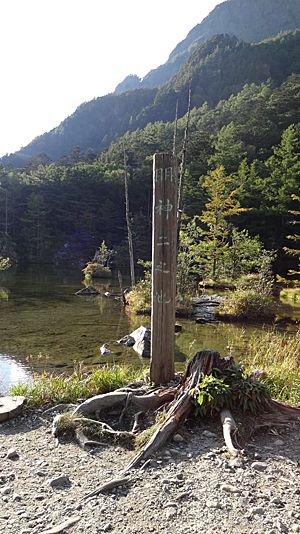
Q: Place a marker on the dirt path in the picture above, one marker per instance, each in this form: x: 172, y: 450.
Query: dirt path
x: 189, y: 488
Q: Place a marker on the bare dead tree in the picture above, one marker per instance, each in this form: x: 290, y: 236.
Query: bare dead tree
x: 183, y: 158
x: 175, y: 129
x: 128, y: 223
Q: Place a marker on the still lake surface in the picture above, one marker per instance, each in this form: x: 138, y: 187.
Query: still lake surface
x: 44, y: 325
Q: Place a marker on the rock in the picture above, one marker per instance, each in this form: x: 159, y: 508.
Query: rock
x: 6, y: 490
x: 128, y: 341
x: 107, y: 527
x: 228, y: 488
x: 213, y: 504
x: 259, y: 466
x: 205, y: 307
x: 171, y: 504
x: 236, y: 462
x: 171, y: 512
x: 10, y: 407
x: 104, y: 349
x: 62, y: 481
x: 87, y: 291
x: 140, y: 340
x: 212, y: 300
x: 178, y: 438
x: 12, y: 454
x: 281, y: 526
x: 277, y: 501
x: 17, y: 497
x: 39, y: 497
x: 209, y: 434
x: 142, y: 345
x: 257, y: 510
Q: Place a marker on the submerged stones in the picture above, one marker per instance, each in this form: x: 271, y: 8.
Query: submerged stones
x: 87, y: 291
x: 205, y: 307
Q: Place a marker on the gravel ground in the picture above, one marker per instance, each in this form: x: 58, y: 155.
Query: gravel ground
x: 189, y: 488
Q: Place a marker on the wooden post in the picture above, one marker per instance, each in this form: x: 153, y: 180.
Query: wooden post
x: 164, y: 242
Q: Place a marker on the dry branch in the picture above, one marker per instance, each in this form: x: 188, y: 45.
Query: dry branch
x: 107, y: 486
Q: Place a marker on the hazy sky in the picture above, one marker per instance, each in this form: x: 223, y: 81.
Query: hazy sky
x: 56, y: 54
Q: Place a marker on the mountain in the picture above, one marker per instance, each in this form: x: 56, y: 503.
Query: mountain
x: 215, y: 68
x: 248, y: 20
x: 93, y: 126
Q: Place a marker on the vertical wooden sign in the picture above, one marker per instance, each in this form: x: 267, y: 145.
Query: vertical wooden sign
x: 164, y: 243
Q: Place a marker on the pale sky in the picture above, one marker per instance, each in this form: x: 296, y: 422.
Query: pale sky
x: 56, y: 54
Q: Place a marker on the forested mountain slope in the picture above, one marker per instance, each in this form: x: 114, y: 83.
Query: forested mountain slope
x: 58, y: 212
x: 215, y: 70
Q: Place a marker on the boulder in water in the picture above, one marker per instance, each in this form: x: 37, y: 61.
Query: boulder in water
x: 89, y: 291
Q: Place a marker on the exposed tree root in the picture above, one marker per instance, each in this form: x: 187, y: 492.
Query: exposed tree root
x: 178, y: 403
x: 229, y: 426
x: 182, y: 405
x: 83, y: 441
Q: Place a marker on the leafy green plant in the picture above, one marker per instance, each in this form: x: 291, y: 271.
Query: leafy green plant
x: 231, y: 388
x: 210, y: 394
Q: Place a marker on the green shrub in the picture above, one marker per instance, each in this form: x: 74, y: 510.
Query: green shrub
x: 247, y: 305
x: 139, y: 298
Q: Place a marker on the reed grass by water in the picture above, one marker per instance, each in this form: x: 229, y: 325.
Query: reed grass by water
x: 49, y: 389
x: 278, y: 355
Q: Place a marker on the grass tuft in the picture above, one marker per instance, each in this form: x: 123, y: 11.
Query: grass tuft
x: 278, y: 355
x: 50, y: 389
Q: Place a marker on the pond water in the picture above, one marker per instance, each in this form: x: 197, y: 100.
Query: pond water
x: 44, y: 325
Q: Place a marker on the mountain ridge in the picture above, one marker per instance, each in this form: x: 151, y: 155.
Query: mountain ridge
x: 95, y: 124
x: 271, y: 17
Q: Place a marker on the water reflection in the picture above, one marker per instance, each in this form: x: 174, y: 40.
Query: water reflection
x: 44, y: 325
x: 11, y: 373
